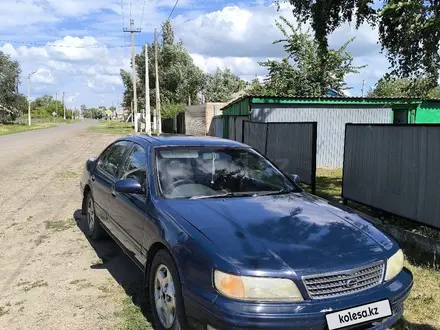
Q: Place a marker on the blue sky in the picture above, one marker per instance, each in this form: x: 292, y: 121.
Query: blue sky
x: 91, y: 47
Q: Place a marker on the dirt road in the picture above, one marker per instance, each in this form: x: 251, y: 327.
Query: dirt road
x: 51, y: 276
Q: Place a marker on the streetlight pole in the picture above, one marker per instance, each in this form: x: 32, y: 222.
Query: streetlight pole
x: 29, y: 96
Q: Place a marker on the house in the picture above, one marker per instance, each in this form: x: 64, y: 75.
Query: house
x: 331, y: 114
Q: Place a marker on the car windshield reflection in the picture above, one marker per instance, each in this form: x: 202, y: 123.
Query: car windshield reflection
x: 203, y: 172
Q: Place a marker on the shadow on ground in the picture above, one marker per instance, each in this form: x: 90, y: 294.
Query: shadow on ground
x: 120, y: 266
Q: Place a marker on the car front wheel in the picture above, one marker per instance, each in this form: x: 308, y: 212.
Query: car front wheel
x: 93, y: 227
x: 165, y: 294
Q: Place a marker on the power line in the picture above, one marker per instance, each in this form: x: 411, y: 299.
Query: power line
x: 143, y: 10
x: 123, y: 25
x: 48, y: 44
x: 169, y: 16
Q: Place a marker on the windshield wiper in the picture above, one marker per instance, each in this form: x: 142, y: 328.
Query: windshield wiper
x: 278, y: 192
x: 229, y: 194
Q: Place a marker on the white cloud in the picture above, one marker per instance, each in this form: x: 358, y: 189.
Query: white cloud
x: 82, y: 64
x: 43, y: 76
x: 238, y: 37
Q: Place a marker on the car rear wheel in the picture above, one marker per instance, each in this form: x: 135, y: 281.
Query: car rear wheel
x: 93, y: 227
x: 165, y: 294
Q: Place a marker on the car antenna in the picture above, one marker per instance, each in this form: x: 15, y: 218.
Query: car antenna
x: 213, y: 168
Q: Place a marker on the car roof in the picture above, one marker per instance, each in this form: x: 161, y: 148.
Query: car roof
x: 181, y: 140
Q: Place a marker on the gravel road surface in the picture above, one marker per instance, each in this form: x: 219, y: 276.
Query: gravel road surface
x: 52, y: 277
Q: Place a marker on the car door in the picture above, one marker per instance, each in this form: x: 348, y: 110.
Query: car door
x: 128, y: 210
x: 106, y: 173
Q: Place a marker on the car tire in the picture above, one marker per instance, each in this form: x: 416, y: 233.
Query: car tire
x: 93, y: 226
x: 168, y: 311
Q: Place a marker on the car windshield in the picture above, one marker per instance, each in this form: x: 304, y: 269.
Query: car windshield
x: 204, y: 172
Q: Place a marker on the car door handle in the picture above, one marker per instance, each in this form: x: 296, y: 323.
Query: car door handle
x: 113, y: 193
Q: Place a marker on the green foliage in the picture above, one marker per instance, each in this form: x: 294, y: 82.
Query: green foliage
x: 179, y: 78
x: 11, y: 102
x: 45, y: 106
x: 220, y: 86
x: 409, y: 30
x: 303, y: 72
x: 404, y: 87
x: 94, y: 113
x: 170, y: 110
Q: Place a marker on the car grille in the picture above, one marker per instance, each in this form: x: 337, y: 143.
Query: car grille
x: 336, y: 284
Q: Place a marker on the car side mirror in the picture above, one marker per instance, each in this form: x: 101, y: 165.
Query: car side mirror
x: 128, y: 186
x: 90, y: 163
x: 295, y: 178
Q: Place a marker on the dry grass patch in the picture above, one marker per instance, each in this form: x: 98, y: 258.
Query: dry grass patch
x: 60, y: 225
x: 27, y: 285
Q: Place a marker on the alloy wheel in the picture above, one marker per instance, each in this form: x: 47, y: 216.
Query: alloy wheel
x: 165, y: 296
x: 91, y: 214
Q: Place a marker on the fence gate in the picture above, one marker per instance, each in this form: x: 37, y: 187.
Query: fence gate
x: 291, y: 146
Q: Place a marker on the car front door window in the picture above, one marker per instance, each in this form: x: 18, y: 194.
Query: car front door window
x: 136, y: 165
x: 113, y: 159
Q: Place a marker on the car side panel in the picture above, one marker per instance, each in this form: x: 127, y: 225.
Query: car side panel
x: 101, y: 187
x: 128, y: 216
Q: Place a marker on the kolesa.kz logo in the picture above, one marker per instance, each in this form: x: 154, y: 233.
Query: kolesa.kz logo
x: 372, y: 311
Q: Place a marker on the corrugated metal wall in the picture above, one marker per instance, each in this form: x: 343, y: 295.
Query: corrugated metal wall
x: 291, y: 146
x: 394, y: 168
x: 216, y: 127
x: 195, y: 120
x: 235, y: 127
x: 331, y: 124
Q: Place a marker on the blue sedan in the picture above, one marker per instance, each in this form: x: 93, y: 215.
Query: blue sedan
x: 226, y: 240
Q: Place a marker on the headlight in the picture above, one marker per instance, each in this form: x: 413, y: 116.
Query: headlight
x: 256, y: 288
x: 394, y: 265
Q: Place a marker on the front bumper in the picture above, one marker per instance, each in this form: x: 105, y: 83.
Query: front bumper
x: 228, y: 314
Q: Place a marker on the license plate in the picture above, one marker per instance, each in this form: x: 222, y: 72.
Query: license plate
x: 360, y: 314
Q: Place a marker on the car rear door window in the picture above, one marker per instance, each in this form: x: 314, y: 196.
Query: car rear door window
x: 135, y: 167
x: 113, y: 160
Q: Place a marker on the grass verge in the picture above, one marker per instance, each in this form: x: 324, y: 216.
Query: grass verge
x: 422, y: 308
x: 17, y: 128
x: 113, y: 127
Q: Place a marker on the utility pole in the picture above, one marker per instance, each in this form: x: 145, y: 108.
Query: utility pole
x: 64, y: 108
x: 132, y: 31
x: 157, y: 112
x: 29, y: 96
x: 147, y: 94
x: 363, y: 87
x: 56, y: 103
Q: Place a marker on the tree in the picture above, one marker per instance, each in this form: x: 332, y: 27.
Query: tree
x: 179, y: 78
x: 302, y: 72
x: 220, y: 86
x: 404, y: 87
x: 10, y: 99
x: 409, y: 31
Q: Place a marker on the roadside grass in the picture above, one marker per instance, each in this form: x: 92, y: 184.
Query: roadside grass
x: 68, y: 175
x: 422, y: 308
x: 27, y: 286
x: 113, y: 127
x: 81, y: 284
x: 17, y: 128
x: 131, y: 317
x: 60, y: 225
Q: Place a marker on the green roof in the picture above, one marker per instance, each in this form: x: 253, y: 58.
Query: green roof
x: 336, y: 100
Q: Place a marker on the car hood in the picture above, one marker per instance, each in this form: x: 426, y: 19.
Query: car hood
x: 285, y: 232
